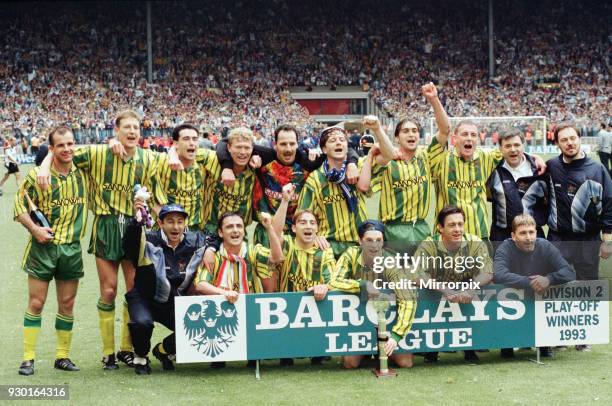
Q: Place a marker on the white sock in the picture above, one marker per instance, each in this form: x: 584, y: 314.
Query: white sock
x: 140, y: 360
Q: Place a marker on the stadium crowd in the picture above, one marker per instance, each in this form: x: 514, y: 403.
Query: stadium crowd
x: 225, y: 67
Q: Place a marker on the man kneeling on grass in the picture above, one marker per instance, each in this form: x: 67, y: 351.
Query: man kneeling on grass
x: 528, y: 262
x: 355, y: 274
x: 454, y: 258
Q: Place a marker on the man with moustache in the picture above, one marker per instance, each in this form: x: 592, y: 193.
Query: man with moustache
x: 281, y: 165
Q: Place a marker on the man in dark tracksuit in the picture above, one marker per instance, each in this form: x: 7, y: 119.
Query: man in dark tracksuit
x: 515, y: 188
x: 580, y: 205
x: 165, y: 267
x: 528, y: 262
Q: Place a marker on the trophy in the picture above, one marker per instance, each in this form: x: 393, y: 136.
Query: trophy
x: 383, y: 370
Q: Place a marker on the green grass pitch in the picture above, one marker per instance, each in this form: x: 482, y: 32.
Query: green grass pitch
x: 571, y: 377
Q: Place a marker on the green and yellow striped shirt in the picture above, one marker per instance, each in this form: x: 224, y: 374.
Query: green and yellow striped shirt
x: 304, y: 268
x: 351, y: 272
x: 64, y: 203
x: 405, y: 188
x: 444, y: 266
x: 257, y: 260
x: 219, y: 198
x: 112, y: 179
x: 463, y: 183
x: 325, y: 199
x: 186, y: 187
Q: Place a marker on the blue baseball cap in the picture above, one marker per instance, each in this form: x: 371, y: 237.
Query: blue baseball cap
x: 172, y: 208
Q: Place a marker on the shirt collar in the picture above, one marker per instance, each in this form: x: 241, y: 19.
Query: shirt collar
x: 165, y: 238
x: 54, y: 172
x: 474, y: 159
x: 524, y: 165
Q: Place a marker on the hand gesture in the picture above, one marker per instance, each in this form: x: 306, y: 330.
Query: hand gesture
x: 43, y: 179
x: 320, y: 291
x: 266, y: 220
x: 288, y: 192
x: 231, y: 296
x: 374, y: 150
x: 117, y: 148
x: 209, y: 260
x: 255, y: 162
x: 227, y: 177
x: 539, y: 283
x: 321, y: 242
x: 429, y: 91
x: 390, y: 346
x: 313, y: 154
x: 138, y: 205
x: 371, y: 122
x: 173, y: 160
x: 352, y: 174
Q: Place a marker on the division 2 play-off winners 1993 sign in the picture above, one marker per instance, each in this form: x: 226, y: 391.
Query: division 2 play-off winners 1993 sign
x: 284, y: 325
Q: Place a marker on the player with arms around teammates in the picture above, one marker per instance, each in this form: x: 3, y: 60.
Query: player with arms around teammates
x: 112, y: 179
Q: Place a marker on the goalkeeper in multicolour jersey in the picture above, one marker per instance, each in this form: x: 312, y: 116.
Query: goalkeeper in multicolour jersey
x: 355, y: 274
x: 283, y: 164
x: 403, y: 176
x: 112, y: 179
x: 55, y: 252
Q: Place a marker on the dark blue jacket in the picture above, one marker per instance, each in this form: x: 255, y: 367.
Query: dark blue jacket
x: 162, y: 272
x: 513, y: 266
x: 581, y: 196
x: 526, y: 195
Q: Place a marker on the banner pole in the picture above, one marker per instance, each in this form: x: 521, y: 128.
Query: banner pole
x: 257, y: 376
x: 537, y: 360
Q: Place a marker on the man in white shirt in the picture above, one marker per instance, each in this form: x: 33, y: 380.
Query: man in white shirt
x: 10, y: 162
x: 604, y: 146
